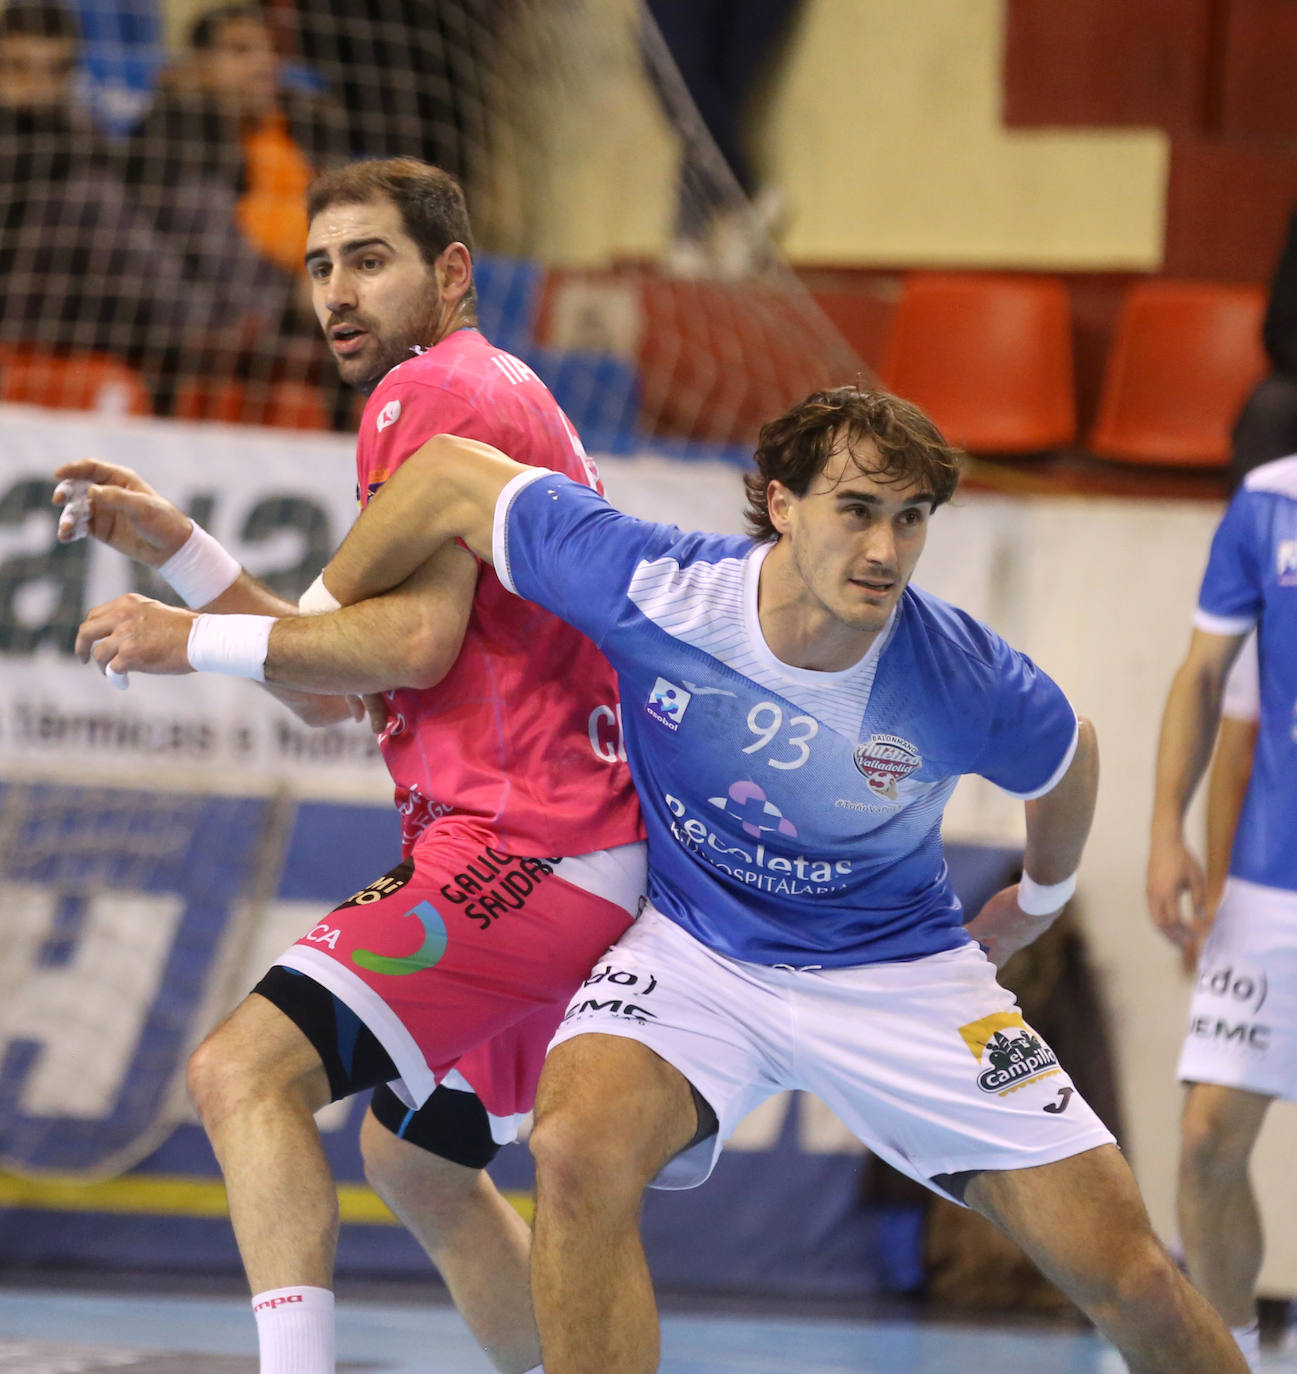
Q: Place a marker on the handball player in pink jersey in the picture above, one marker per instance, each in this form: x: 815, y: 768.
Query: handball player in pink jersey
x: 439, y: 985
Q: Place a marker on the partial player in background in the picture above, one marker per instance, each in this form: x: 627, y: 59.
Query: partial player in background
x: 796, y: 717
x: 1240, y: 1051
x: 440, y: 984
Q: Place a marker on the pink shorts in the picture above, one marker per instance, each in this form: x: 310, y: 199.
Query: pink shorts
x: 462, y: 959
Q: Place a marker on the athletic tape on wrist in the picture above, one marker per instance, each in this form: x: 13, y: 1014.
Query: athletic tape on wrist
x: 232, y: 644
x: 200, y: 569
x: 317, y: 599
x: 1042, y: 899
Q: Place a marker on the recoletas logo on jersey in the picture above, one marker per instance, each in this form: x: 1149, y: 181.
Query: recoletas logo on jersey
x: 668, y: 703
x: 1013, y: 1054
x: 753, y: 810
x: 886, y: 760
x: 389, y: 415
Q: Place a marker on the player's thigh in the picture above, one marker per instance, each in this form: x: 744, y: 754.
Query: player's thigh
x: 1081, y: 1219
x: 611, y: 1102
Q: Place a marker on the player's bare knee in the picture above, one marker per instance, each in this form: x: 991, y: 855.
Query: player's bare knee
x: 1211, y: 1150
x: 588, y: 1155
x: 1138, y: 1277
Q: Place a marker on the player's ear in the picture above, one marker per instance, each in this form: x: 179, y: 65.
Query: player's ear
x: 779, y: 502
x: 454, y: 271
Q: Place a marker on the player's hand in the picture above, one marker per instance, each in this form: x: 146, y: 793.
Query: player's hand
x: 1174, y: 875
x: 374, y: 709
x: 1200, y: 930
x: 125, y: 512
x: 1002, y: 928
x: 134, y: 634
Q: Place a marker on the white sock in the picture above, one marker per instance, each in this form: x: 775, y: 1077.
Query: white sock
x: 1249, y: 1342
x: 295, y: 1330
x: 540, y: 1369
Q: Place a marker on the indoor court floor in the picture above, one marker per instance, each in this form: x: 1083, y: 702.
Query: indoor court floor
x: 66, y: 1332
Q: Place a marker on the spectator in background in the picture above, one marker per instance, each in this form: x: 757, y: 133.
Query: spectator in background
x: 1267, y: 425
x: 82, y: 267
x: 220, y: 162
x: 222, y: 120
x: 720, y: 48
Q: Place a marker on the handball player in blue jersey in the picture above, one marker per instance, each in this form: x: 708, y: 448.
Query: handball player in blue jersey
x: 796, y: 716
x: 1240, y: 1048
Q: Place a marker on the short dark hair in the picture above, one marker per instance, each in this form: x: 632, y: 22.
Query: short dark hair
x: 39, y: 19
x: 205, y: 33
x: 433, y: 210
x: 794, y: 448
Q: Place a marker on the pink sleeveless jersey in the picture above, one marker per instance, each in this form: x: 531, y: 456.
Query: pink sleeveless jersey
x: 523, y: 735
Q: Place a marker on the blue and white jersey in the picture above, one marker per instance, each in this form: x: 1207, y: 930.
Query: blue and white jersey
x: 1251, y: 580
x: 793, y: 817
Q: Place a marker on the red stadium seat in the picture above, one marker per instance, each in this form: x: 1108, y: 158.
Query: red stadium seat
x: 988, y: 357
x: 1183, y: 358
x: 31, y: 375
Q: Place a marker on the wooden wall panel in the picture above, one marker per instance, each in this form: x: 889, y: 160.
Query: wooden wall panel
x: 1227, y: 209
x: 1258, y: 71
x: 1105, y: 62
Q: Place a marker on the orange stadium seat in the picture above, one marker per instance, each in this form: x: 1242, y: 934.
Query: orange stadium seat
x: 988, y: 357
x: 282, y: 405
x: 1183, y: 358
x: 71, y: 381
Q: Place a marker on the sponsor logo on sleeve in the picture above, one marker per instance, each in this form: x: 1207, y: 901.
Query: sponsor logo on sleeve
x: 1010, y: 1052
x: 885, y: 760
x: 1286, y: 561
x: 389, y: 415
x: 668, y: 703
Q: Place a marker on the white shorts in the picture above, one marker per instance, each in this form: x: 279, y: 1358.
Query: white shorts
x: 928, y: 1062
x: 1242, y: 1030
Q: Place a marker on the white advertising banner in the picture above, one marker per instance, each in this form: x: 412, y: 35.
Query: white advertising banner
x: 280, y: 502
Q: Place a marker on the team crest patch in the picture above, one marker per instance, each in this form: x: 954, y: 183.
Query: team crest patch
x: 1286, y: 561
x: 389, y: 415
x: 885, y: 760
x: 1010, y: 1051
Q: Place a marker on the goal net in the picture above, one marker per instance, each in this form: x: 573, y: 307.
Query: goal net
x: 153, y: 155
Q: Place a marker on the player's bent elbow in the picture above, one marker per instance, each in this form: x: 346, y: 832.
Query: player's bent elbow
x: 426, y: 655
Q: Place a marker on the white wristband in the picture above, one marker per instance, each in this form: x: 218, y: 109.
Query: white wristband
x: 232, y: 644
x: 317, y: 599
x: 1039, y: 899
x: 200, y: 569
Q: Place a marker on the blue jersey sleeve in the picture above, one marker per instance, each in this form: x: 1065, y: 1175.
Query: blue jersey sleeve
x: 560, y: 544
x: 1033, y: 729
x: 1229, y: 602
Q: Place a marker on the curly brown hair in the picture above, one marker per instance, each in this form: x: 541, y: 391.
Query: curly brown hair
x: 794, y: 448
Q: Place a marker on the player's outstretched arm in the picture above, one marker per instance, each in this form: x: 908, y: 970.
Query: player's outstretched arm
x: 445, y: 490
x: 118, y: 507
x: 408, y: 638
x: 1189, y: 724
x: 1058, y: 824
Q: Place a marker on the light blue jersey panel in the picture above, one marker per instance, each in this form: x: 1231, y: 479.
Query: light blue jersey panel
x: 1251, y: 579
x: 794, y: 817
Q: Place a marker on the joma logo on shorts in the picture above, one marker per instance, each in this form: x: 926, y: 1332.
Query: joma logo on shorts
x: 614, y: 1006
